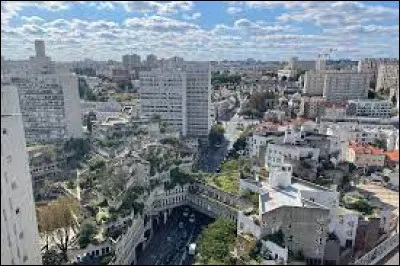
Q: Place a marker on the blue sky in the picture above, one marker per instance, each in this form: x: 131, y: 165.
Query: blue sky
x: 266, y: 30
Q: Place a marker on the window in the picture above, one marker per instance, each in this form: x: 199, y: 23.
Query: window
x: 4, y: 131
x: 17, y: 211
x: 21, y: 235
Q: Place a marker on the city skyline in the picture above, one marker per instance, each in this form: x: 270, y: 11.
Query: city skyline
x: 193, y: 30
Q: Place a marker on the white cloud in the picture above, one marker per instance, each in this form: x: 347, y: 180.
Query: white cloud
x: 234, y: 10
x: 160, y: 8
x: 105, y: 5
x: 33, y: 20
x: 194, y: 16
x: 159, y: 24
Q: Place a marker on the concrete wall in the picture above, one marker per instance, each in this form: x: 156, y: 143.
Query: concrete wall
x: 305, y: 229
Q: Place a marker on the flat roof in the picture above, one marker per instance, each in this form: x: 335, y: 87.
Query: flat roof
x: 288, y: 196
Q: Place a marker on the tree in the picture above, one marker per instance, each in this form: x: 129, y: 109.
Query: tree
x: 216, y: 241
x: 216, y: 134
x: 59, y: 219
x: 87, y: 231
x: 51, y: 257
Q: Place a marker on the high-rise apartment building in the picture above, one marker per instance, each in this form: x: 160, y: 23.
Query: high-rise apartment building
x: 40, y: 49
x: 371, y: 65
x: 19, y: 230
x: 50, y: 107
x: 314, y: 83
x: 151, y: 60
x: 131, y: 61
x: 340, y: 86
x: 388, y: 77
x: 182, y: 97
x: 198, y: 97
x: 163, y: 93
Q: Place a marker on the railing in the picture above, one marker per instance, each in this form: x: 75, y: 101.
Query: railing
x: 379, y: 252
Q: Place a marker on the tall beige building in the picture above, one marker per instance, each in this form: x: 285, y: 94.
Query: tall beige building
x: 371, y: 65
x: 19, y: 231
x: 50, y: 107
x: 388, y: 77
x: 340, y: 86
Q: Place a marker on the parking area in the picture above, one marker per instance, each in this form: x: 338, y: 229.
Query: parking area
x: 169, y: 245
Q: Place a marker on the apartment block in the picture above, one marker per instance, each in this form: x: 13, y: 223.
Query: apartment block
x: 131, y: 60
x: 19, y: 230
x: 340, y: 86
x: 198, y: 98
x: 371, y: 65
x: 371, y: 108
x: 314, y: 83
x: 163, y: 93
x: 388, y: 77
x: 50, y: 107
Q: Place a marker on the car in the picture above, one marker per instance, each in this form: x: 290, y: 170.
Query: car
x: 185, y: 214
x: 218, y: 145
x: 181, y: 225
x: 191, y: 219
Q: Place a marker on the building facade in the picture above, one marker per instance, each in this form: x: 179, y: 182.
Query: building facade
x: 364, y: 155
x: 50, y: 107
x: 340, y: 86
x: 19, y: 231
x: 163, y: 93
x: 388, y: 77
x: 371, y: 108
x: 198, y: 98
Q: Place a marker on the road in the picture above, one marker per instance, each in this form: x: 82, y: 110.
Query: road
x: 168, y: 245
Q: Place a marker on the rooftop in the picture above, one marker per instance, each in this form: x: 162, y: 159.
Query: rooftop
x: 288, y: 196
x: 393, y: 155
x: 360, y: 148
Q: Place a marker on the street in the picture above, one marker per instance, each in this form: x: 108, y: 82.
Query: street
x: 169, y: 245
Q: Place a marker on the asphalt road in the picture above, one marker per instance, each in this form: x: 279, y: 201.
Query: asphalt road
x: 168, y: 245
x: 211, y: 157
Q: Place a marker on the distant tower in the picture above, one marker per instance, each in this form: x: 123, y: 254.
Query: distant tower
x: 40, y: 49
x: 320, y: 64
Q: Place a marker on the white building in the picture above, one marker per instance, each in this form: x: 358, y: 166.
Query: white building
x: 371, y: 108
x: 198, y: 98
x: 50, y: 107
x: 363, y: 133
x: 341, y: 86
x: 19, y: 231
x: 163, y: 93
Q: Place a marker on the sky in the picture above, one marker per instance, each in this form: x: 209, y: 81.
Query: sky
x: 194, y: 30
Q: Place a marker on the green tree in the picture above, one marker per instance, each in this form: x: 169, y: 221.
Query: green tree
x: 216, y: 241
x: 87, y: 231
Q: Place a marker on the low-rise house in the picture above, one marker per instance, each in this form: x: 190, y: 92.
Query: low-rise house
x: 364, y: 155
